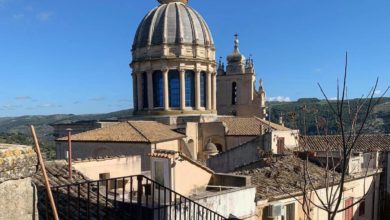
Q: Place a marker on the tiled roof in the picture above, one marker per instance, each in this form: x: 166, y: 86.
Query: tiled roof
x: 57, y: 172
x: 273, y: 126
x: 365, y: 143
x: 248, y: 126
x: 168, y: 154
x: 279, y: 177
x: 130, y: 131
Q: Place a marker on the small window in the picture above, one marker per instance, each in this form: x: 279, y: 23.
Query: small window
x: 362, y: 208
x: 280, y: 145
x: 234, y: 93
x: 159, y: 172
x: 290, y: 211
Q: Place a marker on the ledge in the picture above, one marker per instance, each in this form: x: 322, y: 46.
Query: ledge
x: 16, y: 162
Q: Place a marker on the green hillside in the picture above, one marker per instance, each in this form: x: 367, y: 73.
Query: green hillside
x: 306, y: 114
x: 15, y: 130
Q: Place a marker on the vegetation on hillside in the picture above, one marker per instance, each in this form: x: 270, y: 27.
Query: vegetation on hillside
x: 309, y: 113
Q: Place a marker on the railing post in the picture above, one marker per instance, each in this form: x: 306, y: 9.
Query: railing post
x: 139, y: 198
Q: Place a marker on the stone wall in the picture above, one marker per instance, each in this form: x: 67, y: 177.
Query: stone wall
x: 18, y: 198
x: 236, y: 157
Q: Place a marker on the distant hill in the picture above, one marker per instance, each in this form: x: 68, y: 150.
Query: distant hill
x: 300, y: 114
x: 303, y: 113
x: 15, y: 130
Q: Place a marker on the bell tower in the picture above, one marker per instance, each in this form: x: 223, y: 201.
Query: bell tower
x: 236, y: 92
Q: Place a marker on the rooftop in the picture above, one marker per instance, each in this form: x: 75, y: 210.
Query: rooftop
x: 248, y: 126
x: 169, y: 154
x: 365, y: 143
x: 130, y: 131
x: 280, y: 176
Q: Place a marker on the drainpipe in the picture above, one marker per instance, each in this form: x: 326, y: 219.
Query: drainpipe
x: 69, y: 130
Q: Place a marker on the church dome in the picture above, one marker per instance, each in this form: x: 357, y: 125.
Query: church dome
x: 172, y: 22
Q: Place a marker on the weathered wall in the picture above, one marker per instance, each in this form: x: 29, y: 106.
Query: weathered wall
x: 116, y: 167
x: 168, y: 145
x: 236, y: 157
x: 232, y: 203
x: 356, y: 189
x: 189, y: 178
x: 214, y: 131
x: 18, y: 196
x: 235, y: 141
x: 290, y: 139
x: 84, y: 150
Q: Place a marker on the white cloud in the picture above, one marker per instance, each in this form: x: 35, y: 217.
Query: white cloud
x: 49, y: 105
x: 44, y: 16
x: 23, y: 97
x: 332, y: 98
x: 378, y: 92
x: 98, y: 99
x: 8, y: 107
x: 280, y: 99
x: 317, y: 70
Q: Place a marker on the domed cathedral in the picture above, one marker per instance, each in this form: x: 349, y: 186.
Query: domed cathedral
x: 236, y: 93
x: 173, y: 66
x: 175, y: 82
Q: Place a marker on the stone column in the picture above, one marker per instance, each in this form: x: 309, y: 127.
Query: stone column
x: 150, y: 90
x: 208, y: 99
x: 182, y: 90
x: 197, y: 89
x: 135, y: 93
x: 214, y: 91
x: 166, y: 91
x: 139, y: 91
x: 18, y: 194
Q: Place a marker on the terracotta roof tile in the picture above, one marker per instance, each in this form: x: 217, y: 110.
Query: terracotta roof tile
x: 248, y: 126
x: 168, y: 154
x: 279, y: 177
x: 365, y: 143
x: 131, y: 131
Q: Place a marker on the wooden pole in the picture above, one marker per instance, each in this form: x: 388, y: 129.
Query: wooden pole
x: 46, y: 179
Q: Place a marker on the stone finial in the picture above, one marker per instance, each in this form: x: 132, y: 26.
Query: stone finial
x: 170, y: 1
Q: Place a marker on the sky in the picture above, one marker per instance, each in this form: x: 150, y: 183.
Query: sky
x: 73, y: 56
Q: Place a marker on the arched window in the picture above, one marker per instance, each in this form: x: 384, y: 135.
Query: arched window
x: 174, y: 88
x: 203, y: 89
x: 158, y: 89
x: 190, y: 88
x: 234, y: 93
x: 145, y: 103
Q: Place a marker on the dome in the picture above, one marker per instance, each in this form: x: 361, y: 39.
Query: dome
x: 173, y: 22
x: 236, y: 56
x: 211, y: 148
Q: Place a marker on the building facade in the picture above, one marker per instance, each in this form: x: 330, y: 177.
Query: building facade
x: 236, y: 92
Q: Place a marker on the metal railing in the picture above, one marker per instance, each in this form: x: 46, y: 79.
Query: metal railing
x: 132, y: 198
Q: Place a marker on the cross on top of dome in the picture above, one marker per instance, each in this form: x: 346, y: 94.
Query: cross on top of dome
x: 170, y: 1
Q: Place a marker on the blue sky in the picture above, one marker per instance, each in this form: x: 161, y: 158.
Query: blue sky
x: 72, y: 56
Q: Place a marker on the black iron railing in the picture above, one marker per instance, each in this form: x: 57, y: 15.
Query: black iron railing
x: 132, y: 198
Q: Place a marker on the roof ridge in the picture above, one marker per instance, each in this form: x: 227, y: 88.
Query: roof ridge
x: 196, y: 163
x: 130, y: 123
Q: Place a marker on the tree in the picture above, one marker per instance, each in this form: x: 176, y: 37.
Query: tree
x: 351, y: 121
